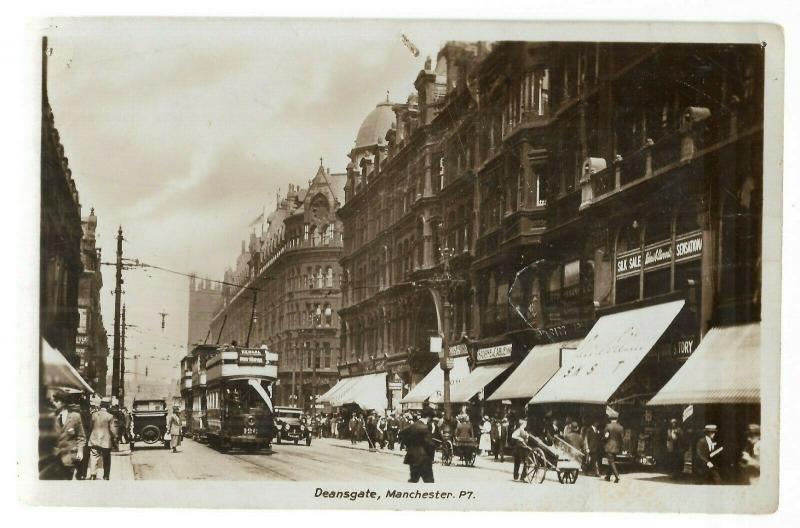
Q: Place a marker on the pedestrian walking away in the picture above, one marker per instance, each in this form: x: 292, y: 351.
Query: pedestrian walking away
x: 175, y: 429
x: 613, y: 435
x: 420, y: 448
x: 101, y: 440
x: 674, y: 449
x: 593, y: 449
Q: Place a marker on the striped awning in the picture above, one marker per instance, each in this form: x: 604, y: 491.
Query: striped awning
x: 57, y: 372
x: 340, y: 385
x: 725, y: 368
x: 367, y: 391
x: 479, y: 378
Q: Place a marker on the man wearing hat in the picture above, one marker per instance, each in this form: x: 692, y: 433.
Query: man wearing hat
x: 751, y: 455
x: 420, y: 448
x: 101, y: 440
x: 705, y: 451
x: 613, y: 435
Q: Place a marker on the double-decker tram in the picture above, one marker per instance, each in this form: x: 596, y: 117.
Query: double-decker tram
x: 239, y: 397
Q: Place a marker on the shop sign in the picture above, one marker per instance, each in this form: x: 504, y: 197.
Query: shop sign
x: 458, y: 350
x: 658, y: 255
x: 577, y: 328
x: 500, y: 351
x: 81, y: 340
x: 395, y: 385
x: 251, y: 357
x: 687, y: 247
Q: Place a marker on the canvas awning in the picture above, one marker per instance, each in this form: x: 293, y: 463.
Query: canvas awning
x: 535, y: 370
x: 615, y: 345
x: 724, y: 369
x: 340, y: 385
x: 57, y: 372
x: 367, y: 391
x: 432, y: 385
x: 476, y: 381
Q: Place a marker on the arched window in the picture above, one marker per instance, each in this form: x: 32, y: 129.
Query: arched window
x: 329, y: 277
x: 328, y: 315
x: 320, y: 277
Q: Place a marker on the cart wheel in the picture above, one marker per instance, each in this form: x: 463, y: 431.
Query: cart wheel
x: 447, y: 454
x: 561, y: 476
x: 541, y: 465
x: 470, y: 460
x: 308, y: 441
x: 530, y: 468
x: 573, y: 476
x: 224, y: 446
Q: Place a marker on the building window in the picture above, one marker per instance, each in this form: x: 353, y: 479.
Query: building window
x: 328, y: 315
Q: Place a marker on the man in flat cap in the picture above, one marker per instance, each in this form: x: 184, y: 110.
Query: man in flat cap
x: 71, y: 435
x: 705, y: 451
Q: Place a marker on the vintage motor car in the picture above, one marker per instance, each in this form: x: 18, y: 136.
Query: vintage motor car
x: 290, y: 427
x: 149, y: 422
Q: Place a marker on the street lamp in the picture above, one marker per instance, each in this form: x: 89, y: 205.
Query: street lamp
x: 442, y: 286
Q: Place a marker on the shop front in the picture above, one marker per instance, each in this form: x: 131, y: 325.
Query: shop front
x: 719, y: 384
x: 619, y: 365
x: 431, y: 389
x: 492, y: 367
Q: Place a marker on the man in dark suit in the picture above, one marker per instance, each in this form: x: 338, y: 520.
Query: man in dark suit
x: 71, y: 436
x: 613, y: 435
x: 392, y: 428
x: 704, y: 466
x: 420, y: 448
x: 593, y: 448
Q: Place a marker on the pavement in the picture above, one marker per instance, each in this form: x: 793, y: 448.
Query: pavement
x: 121, y: 464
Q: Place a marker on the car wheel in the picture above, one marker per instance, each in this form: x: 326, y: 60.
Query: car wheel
x: 295, y: 442
x: 132, y: 446
x: 166, y: 444
x: 150, y: 434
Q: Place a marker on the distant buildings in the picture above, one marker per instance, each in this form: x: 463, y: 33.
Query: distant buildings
x: 204, y: 299
x: 92, y: 341
x: 285, y: 290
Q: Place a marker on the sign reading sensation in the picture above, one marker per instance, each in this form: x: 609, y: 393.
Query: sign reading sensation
x: 500, y: 351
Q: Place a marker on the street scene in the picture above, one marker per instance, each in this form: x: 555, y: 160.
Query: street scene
x: 409, y: 259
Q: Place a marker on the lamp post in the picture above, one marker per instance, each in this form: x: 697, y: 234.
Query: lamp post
x: 442, y: 286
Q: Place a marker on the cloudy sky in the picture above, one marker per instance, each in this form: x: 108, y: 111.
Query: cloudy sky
x: 182, y: 130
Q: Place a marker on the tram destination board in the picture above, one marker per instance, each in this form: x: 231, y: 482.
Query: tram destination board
x: 251, y: 357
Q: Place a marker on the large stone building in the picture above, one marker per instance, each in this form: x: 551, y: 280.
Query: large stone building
x: 60, y: 265
x: 574, y: 189
x: 204, y: 300
x: 285, y: 290
x: 92, y: 340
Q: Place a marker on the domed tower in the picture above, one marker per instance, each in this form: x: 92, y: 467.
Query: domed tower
x: 370, y: 145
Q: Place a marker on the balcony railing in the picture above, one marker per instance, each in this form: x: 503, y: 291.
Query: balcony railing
x: 697, y: 132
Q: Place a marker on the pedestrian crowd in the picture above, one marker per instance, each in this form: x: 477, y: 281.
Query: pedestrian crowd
x: 84, y: 433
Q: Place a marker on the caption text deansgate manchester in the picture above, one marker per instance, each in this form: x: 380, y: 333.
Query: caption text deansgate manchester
x: 354, y: 495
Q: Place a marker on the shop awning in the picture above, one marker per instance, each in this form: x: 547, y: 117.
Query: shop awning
x: 57, y: 372
x: 723, y: 369
x: 476, y: 381
x: 367, y: 391
x: 615, y: 345
x: 340, y: 385
x: 432, y: 385
x: 535, y: 370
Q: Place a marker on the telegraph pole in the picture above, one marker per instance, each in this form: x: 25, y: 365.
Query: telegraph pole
x: 115, y: 377
x: 122, y: 363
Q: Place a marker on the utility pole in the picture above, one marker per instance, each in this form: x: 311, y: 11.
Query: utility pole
x: 122, y: 362
x: 115, y: 377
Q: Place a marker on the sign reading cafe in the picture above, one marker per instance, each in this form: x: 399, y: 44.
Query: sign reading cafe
x: 660, y: 255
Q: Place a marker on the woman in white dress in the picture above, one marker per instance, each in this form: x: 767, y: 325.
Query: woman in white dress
x: 485, y: 444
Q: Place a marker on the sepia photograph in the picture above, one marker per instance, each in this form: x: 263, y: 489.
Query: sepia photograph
x: 391, y: 264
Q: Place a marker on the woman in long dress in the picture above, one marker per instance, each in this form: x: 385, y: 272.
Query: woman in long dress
x: 175, y: 429
x: 485, y: 444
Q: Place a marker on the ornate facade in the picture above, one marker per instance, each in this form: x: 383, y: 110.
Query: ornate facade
x: 285, y: 290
